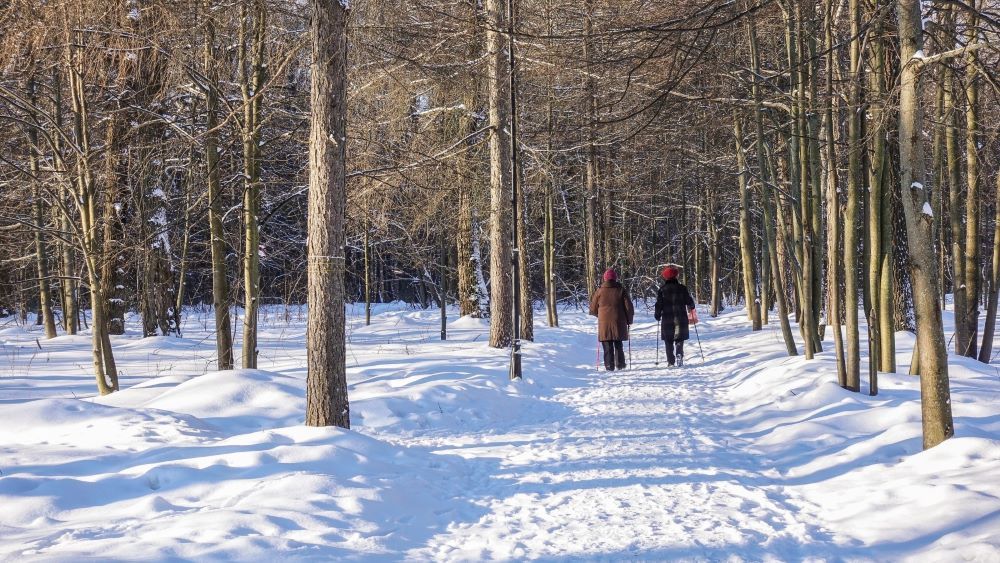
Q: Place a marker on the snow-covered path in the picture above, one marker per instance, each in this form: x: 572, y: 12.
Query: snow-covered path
x: 644, y: 464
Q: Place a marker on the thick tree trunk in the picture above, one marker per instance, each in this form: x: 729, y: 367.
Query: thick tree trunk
x: 500, y: 178
x: 934, y: 388
x: 326, y: 382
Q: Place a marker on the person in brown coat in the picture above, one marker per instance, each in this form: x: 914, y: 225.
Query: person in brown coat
x: 613, y: 308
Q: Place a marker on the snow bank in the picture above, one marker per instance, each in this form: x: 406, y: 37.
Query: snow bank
x: 856, y: 462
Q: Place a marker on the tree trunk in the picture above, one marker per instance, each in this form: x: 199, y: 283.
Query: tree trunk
x: 986, y: 351
x: 45, y: 315
x: 549, y: 231
x: 767, y: 198
x: 879, y: 217
x: 443, y: 285
x: 472, y: 298
x: 220, y: 281
x: 855, y: 187
x: 833, y: 311
x: 105, y: 370
x: 524, y: 273
x: 746, y: 235
x: 253, y: 67
x: 972, y: 197
x: 714, y: 272
x: 591, y: 198
x: 960, y: 294
x: 326, y: 382
x: 467, y: 290
x: 368, y: 273
x: 934, y: 388
x: 500, y: 179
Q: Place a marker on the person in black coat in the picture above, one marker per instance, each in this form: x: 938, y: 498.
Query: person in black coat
x: 675, y: 311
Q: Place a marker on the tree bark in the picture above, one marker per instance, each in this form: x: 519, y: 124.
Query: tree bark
x: 500, y: 178
x: 934, y: 387
x: 986, y: 351
x: 549, y: 230
x: 766, y: 169
x: 855, y: 187
x: 972, y: 198
x: 85, y: 199
x: 220, y: 280
x: 252, y: 66
x: 326, y: 381
x: 833, y: 227
x: 747, y: 253
x: 46, y: 317
x: 591, y: 196
x: 960, y: 294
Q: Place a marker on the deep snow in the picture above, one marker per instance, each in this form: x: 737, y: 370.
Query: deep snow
x: 749, y: 455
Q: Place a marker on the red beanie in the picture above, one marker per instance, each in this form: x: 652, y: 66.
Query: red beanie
x: 610, y: 275
x: 669, y: 273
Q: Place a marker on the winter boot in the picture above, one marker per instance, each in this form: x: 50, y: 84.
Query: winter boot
x: 680, y: 360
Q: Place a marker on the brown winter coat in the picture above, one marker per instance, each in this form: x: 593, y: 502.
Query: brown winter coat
x: 614, y: 311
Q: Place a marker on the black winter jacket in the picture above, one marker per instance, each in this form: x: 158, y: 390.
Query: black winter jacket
x: 673, y: 301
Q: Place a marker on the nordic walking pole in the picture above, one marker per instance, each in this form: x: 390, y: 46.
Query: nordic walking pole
x: 656, y: 341
x: 627, y: 333
x: 598, y: 355
x: 699, y: 343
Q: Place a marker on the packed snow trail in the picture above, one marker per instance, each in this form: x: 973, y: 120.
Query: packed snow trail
x: 643, y: 465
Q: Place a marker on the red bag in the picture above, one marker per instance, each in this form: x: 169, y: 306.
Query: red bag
x: 692, y: 317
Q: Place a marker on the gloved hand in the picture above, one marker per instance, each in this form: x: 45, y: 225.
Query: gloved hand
x: 657, y: 317
x: 693, y: 317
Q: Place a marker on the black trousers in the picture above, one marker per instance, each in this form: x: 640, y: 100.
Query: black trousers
x: 614, y: 354
x: 675, y: 348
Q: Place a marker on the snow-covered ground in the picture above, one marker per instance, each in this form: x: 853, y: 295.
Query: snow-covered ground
x: 749, y: 455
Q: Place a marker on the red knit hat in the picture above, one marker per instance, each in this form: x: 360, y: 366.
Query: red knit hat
x: 669, y: 273
x: 610, y: 275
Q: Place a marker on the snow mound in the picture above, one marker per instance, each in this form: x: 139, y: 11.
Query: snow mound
x: 240, y: 400
x: 82, y: 424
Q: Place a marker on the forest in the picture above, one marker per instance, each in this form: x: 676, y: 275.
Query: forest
x: 341, y: 191
x: 823, y: 160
